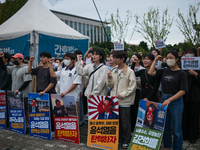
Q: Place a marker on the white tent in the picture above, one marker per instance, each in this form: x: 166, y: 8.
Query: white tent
x: 35, y: 18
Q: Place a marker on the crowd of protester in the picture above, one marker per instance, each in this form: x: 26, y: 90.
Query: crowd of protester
x: 150, y: 77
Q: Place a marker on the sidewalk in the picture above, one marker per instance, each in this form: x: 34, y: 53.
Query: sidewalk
x: 13, y: 141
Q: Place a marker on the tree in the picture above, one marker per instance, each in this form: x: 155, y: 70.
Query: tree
x: 151, y: 27
x: 188, y: 25
x: 9, y: 8
x: 119, y: 28
x: 144, y: 46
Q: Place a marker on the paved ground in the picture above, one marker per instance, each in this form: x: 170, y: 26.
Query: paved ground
x: 13, y: 141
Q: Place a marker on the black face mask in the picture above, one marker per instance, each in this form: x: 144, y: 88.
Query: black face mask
x: 16, y: 62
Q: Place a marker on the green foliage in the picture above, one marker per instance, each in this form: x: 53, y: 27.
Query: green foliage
x: 188, y: 25
x: 119, y: 28
x: 9, y: 8
x: 152, y: 26
x: 144, y: 46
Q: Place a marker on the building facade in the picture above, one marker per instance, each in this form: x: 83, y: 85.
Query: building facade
x: 86, y: 26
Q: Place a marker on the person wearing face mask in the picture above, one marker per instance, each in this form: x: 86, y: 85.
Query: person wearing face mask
x: 20, y: 77
x: 191, y: 102
x: 69, y: 80
x: 174, y: 86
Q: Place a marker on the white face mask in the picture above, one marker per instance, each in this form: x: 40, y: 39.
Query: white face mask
x: 189, y: 55
x: 171, y: 62
x: 67, y: 62
x: 56, y: 65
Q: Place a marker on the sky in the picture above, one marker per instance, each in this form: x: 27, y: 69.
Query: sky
x: 85, y: 8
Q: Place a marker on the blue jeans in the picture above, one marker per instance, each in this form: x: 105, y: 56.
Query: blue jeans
x: 174, y: 119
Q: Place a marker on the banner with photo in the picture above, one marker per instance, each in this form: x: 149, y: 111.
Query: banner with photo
x: 149, y: 127
x: 3, y: 114
x: 65, y: 118
x: 103, y: 125
x: 159, y: 44
x: 16, y: 112
x: 190, y: 63
x: 39, y: 115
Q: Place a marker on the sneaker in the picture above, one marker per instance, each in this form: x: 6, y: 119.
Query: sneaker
x: 125, y: 146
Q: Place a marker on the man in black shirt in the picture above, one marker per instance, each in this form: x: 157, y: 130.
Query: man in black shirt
x: 45, y: 83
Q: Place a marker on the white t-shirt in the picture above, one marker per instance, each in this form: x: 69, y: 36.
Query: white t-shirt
x: 119, y: 71
x: 68, y: 77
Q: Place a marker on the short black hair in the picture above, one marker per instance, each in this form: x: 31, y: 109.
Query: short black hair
x: 173, y: 52
x: 156, y: 51
x: 27, y: 58
x: 191, y: 50
x: 70, y: 55
x: 150, y: 56
x: 99, y: 52
x: 91, y: 51
x: 45, y: 54
x: 78, y: 52
x: 110, y: 100
x: 120, y: 54
x: 7, y: 56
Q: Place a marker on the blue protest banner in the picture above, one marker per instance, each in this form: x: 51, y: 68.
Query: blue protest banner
x: 16, y: 112
x: 39, y: 115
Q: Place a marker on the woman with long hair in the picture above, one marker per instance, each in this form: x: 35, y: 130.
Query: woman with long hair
x: 174, y: 86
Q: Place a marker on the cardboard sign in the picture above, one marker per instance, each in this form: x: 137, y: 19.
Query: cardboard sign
x: 190, y: 63
x: 149, y: 127
x: 16, y: 112
x: 118, y: 46
x: 103, y: 125
x: 65, y: 118
x: 3, y: 110
x: 159, y: 44
x: 39, y: 115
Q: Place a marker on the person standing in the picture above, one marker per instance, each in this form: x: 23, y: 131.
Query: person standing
x: 123, y: 83
x: 174, y: 86
x: 45, y: 83
x: 20, y: 77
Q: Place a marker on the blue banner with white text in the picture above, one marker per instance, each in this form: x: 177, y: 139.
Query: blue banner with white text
x: 16, y: 45
x: 60, y: 46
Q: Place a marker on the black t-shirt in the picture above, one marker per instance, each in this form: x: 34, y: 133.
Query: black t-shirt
x: 44, y: 79
x: 172, y: 81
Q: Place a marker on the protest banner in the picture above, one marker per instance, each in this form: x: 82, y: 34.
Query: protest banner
x: 149, y: 127
x: 3, y: 110
x: 119, y: 46
x: 16, y: 112
x: 103, y: 125
x: 159, y: 44
x: 39, y: 115
x: 190, y: 63
x: 65, y: 118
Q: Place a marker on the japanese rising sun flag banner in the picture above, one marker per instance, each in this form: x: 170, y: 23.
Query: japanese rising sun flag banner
x: 103, y: 125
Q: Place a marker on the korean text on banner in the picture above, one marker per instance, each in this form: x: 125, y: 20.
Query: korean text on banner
x: 39, y: 115
x: 103, y: 125
x: 2, y: 110
x: 190, y: 63
x: 149, y: 127
x: 118, y: 46
x: 16, y: 112
x: 159, y: 44
x: 65, y: 118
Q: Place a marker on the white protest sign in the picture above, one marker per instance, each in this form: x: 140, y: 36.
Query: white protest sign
x: 118, y: 46
x: 190, y: 63
x: 159, y: 44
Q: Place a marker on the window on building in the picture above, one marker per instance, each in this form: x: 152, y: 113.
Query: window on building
x: 71, y: 24
x: 88, y: 30
x: 75, y: 26
x: 66, y: 21
x: 91, y: 33
x: 79, y: 27
x: 98, y: 35
x: 95, y: 34
x: 102, y: 34
x: 83, y: 29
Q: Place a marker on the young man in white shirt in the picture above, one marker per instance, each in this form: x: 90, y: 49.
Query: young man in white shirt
x: 69, y: 80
